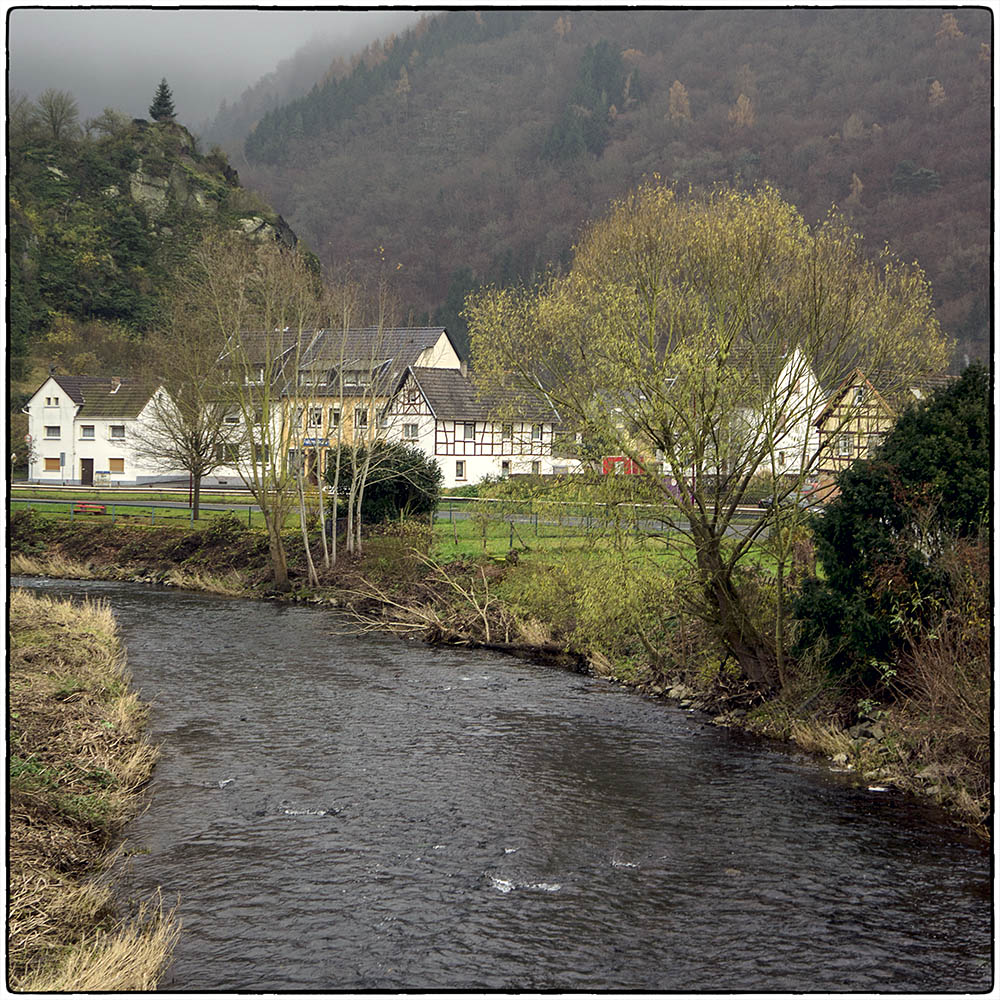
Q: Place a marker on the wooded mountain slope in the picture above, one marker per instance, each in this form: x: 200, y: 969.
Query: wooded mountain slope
x: 473, y: 147
x: 98, y: 222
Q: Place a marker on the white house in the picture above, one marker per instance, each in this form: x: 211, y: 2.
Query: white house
x: 438, y: 411
x: 82, y: 432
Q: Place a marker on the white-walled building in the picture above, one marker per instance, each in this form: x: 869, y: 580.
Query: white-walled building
x: 82, y: 430
x: 438, y: 411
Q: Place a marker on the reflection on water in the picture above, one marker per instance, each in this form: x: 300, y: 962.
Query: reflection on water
x: 371, y: 814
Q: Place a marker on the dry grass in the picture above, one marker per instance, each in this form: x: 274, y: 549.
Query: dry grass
x: 822, y: 737
x: 129, y: 959
x: 231, y: 584
x: 78, y: 760
x: 56, y: 566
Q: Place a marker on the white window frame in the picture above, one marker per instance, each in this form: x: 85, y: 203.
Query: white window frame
x: 468, y: 430
x: 84, y: 436
x: 845, y: 445
x: 112, y: 436
x: 536, y: 432
x: 49, y: 436
x: 411, y: 432
x: 460, y: 471
x: 315, y: 416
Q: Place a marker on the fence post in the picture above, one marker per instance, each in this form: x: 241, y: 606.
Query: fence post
x: 192, y: 516
x: 112, y: 513
x: 511, y: 544
x: 152, y: 511
x: 249, y: 515
x: 71, y: 506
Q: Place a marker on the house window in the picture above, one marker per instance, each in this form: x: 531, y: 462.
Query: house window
x: 360, y: 417
x: 55, y: 400
x: 859, y: 394
x: 52, y: 465
x: 469, y: 432
x: 227, y: 454
x: 53, y: 433
x: 460, y: 470
x: 536, y: 468
x: 261, y: 453
x: 48, y: 400
x: 232, y: 419
x: 334, y: 417
x: 507, y: 431
x: 117, y: 431
x: 315, y: 416
x: 536, y: 432
x: 116, y: 465
x: 409, y: 432
x: 845, y: 445
x: 874, y: 440
x: 505, y: 469
x: 87, y: 431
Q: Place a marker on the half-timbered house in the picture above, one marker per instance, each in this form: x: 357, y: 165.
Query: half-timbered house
x: 439, y: 411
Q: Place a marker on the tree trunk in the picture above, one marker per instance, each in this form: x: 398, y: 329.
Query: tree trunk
x: 196, y: 502
x: 731, y: 622
x: 279, y: 561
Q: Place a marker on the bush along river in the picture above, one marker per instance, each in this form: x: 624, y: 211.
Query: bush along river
x: 346, y: 813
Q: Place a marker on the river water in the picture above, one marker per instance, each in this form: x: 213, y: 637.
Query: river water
x: 343, y: 813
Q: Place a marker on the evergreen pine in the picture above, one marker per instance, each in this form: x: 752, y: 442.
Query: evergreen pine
x: 162, y: 108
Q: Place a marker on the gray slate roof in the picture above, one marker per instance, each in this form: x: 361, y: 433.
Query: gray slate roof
x: 453, y: 396
x: 389, y: 350
x: 96, y: 398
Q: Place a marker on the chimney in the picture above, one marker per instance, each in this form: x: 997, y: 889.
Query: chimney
x: 116, y: 383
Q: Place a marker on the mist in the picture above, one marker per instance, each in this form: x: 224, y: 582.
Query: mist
x: 116, y: 57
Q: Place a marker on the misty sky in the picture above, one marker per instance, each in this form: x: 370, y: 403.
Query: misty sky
x: 116, y: 57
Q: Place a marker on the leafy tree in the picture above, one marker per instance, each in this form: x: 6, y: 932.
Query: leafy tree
x: 162, y: 108
x: 911, y: 179
x: 881, y: 542
x: 680, y: 103
x: 401, y: 481
x: 697, y: 332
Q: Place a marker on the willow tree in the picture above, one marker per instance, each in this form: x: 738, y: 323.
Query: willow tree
x: 699, y: 335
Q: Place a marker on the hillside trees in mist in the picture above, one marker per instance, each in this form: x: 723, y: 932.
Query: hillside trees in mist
x: 838, y: 107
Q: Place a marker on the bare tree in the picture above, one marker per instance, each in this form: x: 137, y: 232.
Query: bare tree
x: 187, y: 426
x: 263, y: 302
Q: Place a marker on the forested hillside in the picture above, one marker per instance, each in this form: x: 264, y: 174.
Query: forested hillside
x: 99, y: 218
x: 473, y: 147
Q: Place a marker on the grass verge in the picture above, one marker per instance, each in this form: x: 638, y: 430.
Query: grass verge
x: 78, y: 762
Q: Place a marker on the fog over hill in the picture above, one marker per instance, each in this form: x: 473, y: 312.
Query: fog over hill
x: 115, y: 57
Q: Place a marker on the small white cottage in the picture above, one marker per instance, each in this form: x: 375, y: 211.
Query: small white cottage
x: 81, y: 431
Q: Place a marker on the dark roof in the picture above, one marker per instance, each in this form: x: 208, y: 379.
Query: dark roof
x: 96, y: 396
x: 400, y: 345
x: 392, y: 349
x: 453, y: 396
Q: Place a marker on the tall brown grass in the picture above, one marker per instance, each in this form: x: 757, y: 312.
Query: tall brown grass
x: 78, y: 761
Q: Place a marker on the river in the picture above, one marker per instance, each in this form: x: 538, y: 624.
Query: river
x: 345, y: 813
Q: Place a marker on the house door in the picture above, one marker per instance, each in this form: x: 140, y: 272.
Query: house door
x: 86, y: 472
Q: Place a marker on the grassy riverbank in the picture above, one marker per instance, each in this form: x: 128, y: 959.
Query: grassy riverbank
x: 616, y: 615
x: 78, y: 762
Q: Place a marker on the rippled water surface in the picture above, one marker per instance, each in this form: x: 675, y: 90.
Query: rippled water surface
x: 344, y: 814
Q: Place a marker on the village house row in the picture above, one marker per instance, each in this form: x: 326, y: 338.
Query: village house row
x: 404, y: 385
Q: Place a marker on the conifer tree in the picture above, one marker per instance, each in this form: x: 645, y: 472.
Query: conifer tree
x: 162, y: 108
